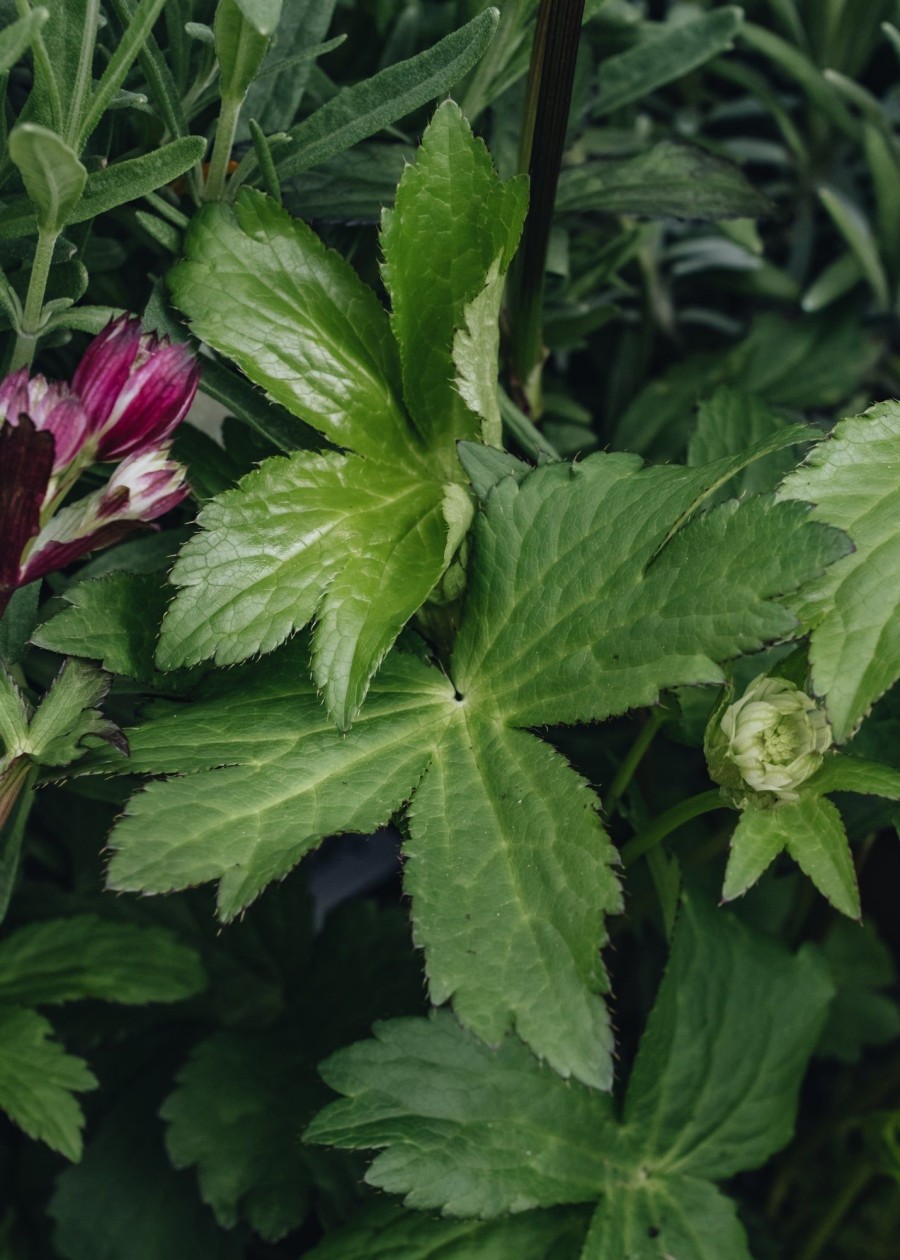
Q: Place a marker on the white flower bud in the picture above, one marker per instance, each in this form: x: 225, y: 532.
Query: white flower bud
x: 771, y: 740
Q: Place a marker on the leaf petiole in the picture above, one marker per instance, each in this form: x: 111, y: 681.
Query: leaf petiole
x: 669, y: 821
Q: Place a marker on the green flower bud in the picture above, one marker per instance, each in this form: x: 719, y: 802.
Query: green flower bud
x: 762, y: 747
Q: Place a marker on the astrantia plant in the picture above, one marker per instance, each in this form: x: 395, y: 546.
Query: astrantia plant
x: 448, y: 769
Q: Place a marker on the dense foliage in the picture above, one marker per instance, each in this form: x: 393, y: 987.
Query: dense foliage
x: 528, y: 563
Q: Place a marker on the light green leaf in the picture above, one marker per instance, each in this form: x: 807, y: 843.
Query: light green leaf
x: 659, y: 1218
x: 476, y: 1132
x: 14, y: 717
x: 667, y: 52
x: 630, y: 596
x: 113, y: 619
x: 51, y: 172
x: 671, y: 180
x: 715, y: 1111
x: 386, y: 1232
x: 368, y: 107
x: 261, y: 288
x: 854, y: 609
x: 812, y: 832
x: 476, y: 347
x: 468, y: 1129
x: 38, y: 1080
x: 452, y: 232
x: 855, y: 774
x: 17, y: 37
x: 236, y: 1115
x: 242, y: 33
x: 509, y: 870
x: 357, y: 544
x: 286, y: 777
x: 67, y: 716
x: 60, y: 960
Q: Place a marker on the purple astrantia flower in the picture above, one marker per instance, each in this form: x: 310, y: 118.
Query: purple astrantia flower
x: 143, y: 487
x: 135, y: 387
x: 51, y: 408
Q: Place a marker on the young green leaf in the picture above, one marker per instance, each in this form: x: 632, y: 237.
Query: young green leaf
x: 60, y: 960
x: 477, y: 1132
x: 38, y: 1080
x: 51, y: 172
x: 853, y: 609
x: 67, y: 716
x: 447, y: 243
x: 243, y: 29
x: 812, y: 832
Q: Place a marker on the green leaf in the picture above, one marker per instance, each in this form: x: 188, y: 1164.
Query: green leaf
x: 113, y: 186
x: 368, y: 107
x: 134, y: 37
x: 471, y: 1130
x: 715, y: 1111
x: 53, y: 177
x: 671, y: 180
x: 385, y: 1232
x: 236, y: 1115
x: 854, y: 610
x: 18, y: 622
x: 447, y: 244
x: 861, y: 1015
x: 509, y: 870
x: 67, y: 716
x: 857, y: 232
x: 275, y: 97
x: 60, y: 960
x: 114, y: 619
x: 126, y: 1202
x: 261, y: 288
x: 242, y: 29
x: 16, y: 38
x: 284, y: 782
x: 476, y: 1131
x: 662, y: 1218
x: 593, y: 590
x: 812, y: 832
x: 667, y: 52
x: 352, y: 542
x: 38, y: 1080
x: 727, y: 423
x: 855, y: 774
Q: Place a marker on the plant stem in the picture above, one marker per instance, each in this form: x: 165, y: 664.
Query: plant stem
x: 84, y: 73
x: 26, y: 341
x: 229, y: 113
x: 840, y: 1206
x: 670, y: 821
x: 546, y: 115
x: 633, y: 758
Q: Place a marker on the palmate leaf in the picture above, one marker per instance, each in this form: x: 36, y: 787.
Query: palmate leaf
x: 854, y: 610
x: 475, y: 1131
x: 357, y: 540
x: 574, y: 612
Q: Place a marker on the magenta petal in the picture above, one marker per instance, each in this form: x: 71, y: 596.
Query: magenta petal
x: 55, y: 555
x: 105, y: 367
x: 51, y: 407
x: 26, y: 464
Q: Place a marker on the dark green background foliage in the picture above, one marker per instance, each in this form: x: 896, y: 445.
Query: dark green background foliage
x: 413, y: 926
